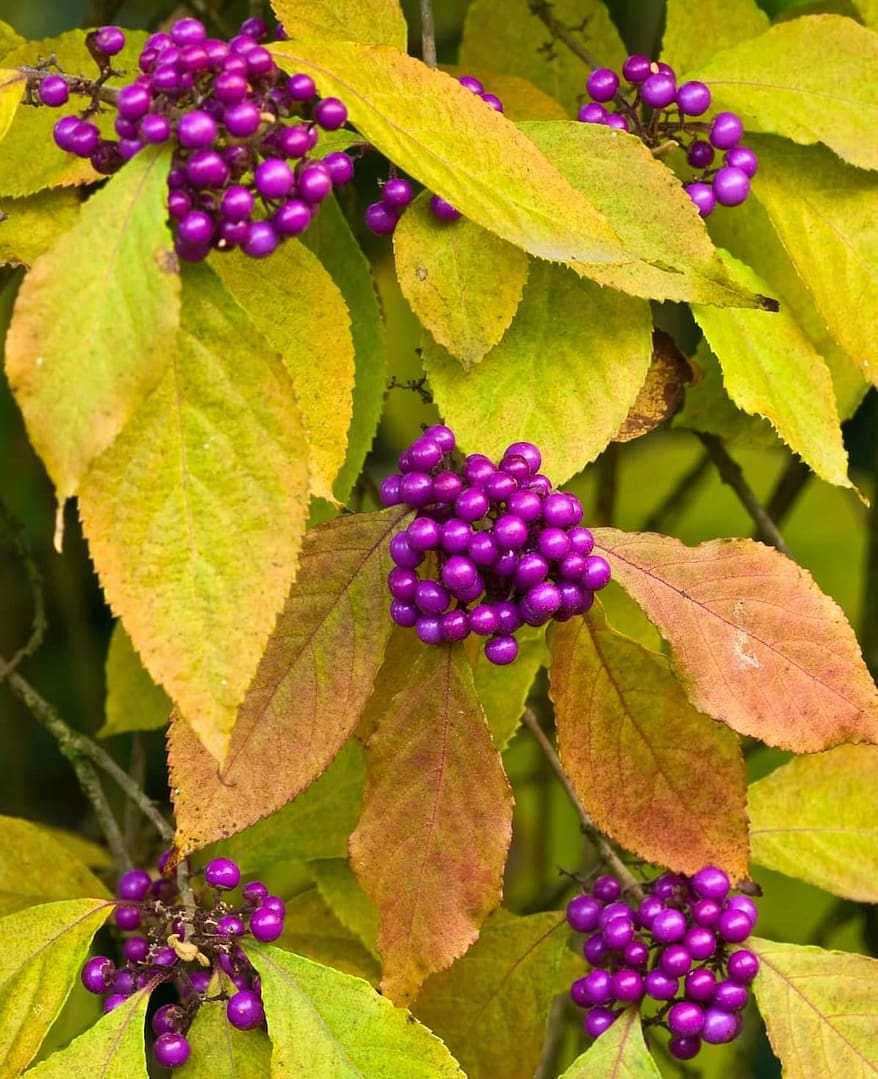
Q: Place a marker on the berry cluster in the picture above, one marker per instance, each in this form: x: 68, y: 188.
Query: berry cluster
x: 244, y: 172
x: 677, y: 949
x: 196, y: 952
x: 506, y: 549
x: 661, y: 113
x: 381, y: 217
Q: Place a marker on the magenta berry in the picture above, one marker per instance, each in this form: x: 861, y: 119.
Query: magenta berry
x: 602, y: 84
x: 222, y: 873
x: 726, y: 130
x: 171, y: 1050
x: 98, y: 974
x: 266, y: 925
x: 443, y: 210
x: 53, y: 91
x: 658, y: 91
x: 244, y: 1010
x: 693, y: 98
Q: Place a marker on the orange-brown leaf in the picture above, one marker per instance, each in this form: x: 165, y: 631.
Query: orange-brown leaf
x: 754, y: 641
x: 633, y: 746
x: 308, y: 692
x: 431, y: 844
x: 661, y: 395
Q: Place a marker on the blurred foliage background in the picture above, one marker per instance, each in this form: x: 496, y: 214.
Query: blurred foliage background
x: 632, y: 486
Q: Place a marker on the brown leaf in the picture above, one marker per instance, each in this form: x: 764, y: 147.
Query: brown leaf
x: 431, y: 844
x: 662, y: 393
x: 308, y: 692
x: 633, y: 746
x: 754, y: 641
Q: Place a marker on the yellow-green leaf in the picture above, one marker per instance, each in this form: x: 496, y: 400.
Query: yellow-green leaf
x: 620, y: 1052
x: 464, y: 283
x: 300, y: 311
x: 372, y: 22
x: 804, y: 79
x: 504, y: 36
x: 312, y: 929
x: 343, y: 895
x: 868, y: 10
x: 12, y: 85
x: 452, y: 142
x: 814, y: 818
x: 771, y: 369
x: 504, y: 690
x: 47, y: 947
x: 35, y: 868
x: 134, y: 702
x: 33, y: 224
x: 329, y: 1025
x: 9, y: 39
x: 564, y: 375
x: 84, y: 349
x: 826, y: 216
x: 624, y: 722
x: 113, y: 1048
x: 220, y: 1051
x: 508, y: 980
x: 87, y: 851
x: 691, y: 39
x: 195, y: 515
x: 820, y: 1008
x: 646, y: 204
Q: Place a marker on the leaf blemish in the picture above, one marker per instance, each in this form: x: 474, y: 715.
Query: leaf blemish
x: 743, y: 657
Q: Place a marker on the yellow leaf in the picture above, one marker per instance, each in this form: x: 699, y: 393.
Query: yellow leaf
x: 373, y: 22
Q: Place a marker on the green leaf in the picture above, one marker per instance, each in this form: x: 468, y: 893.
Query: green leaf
x: 776, y: 80
x: 316, y: 824
x: 46, y: 947
x: 770, y: 368
x: 35, y: 868
x: 220, y: 1051
x: 508, y: 980
x: 9, y: 39
x: 646, y: 204
x: 500, y: 36
x: 624, y: 722
x: 342, y: 893
x: 86, y: 850
x: 868, y: 10
x: 826, y: 217
x: 300, y: 311
x: 12, y: 85
x: 373, y: 22
x: 753, y: 640
x: 504, y: 690
x: 329, y: 1025
x: 691, y: 40
x: 463, y: 283
x: 431, y: 843
x: 134, y: 701
x: 110, y: 337
x: 308, y: 692
x: 112, y: 1049
x: 33, y: 224
x: 447, y: 138
x: 542, y: 382
x: 330, y: 238
x: 195, y: 515
x: 621, y: 1053
x: 312, y: 929
x: 814, y: 819
x: 820, y: 1008
x: 30, y: 160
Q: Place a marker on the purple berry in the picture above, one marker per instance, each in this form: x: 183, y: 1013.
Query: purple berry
x: 127, y: 917
x: 617, y: 122
x: 627, y: 986
x: 266, y: 924
x: 720, y: 1026
x: 135, y: 949
x: 188, y: 32
x: 700, y: 943
x: 429, y: 629
x: 682, y: 1048
x: 597, y: 1021
x: 206, y: 168
x: 315, y: 183
x: 237, y: 203
x: 743, y: 158
x: 700, y: 985
x: 658, y: 91
x: 636, y: 68
x: 731, y: 996
x: 581, y: 540
x: 397, y: 193
x: 416, y: 489
x: 493, y: 102
x: 700, y: 155
x: 423, y: 534
x: 561, y: 510
x: 301, y: 87
x: 98, y: 974
x: 731, y: 186
x: 676, y: 961
x: 403, y: 554
x: 388, y: 492
x: 431, y: 597
x: 710, y: 883
x: 743, y: 966
x: 618, y: 933
x: 154, y: 128
x: 668, y: 926
x: 472, y: 83
x: 380, y: 219
x: 242, y: 120
x: 726, y: 130
x: 244, y: 1010
x: 340, y: 168
x: 53, y: 91
x: 443, y: 210
x: 83, y: 139
x: 583, y: 912
x: 607, y: 889
x: 531, y: 570
x: 196, y: 228
x: 693, y: 98
x: 259, y: 62
x: 171, y: 1050
x: 133, y: 885
x: 501, y: 650
x: 230, y: 925
x: 472, y: 504
x: 703, y: 197
x: 456, y: 536
x: 746, y: 904
x: 592, y: 113
x: 455, y: 626
x: 109, y: 40
x: 602, y: 84
x: 544, y: 599
x: 403, y: 614
x: 196, y: 130
x: 168, y: 1019
x: 113, y: 1001
x: 254, y: 27
x: 706, y: 912
x: 133, y: 101
x: 686, y: 1019
x: 273, y: 178
x: 636, y: 954
x: 222, y: 873
x: 598, y: 987
x: 330, y: 113
x: 292, y: 217
x: 230, y: 88
x: 734, y: 926
x: 163, y: 957
x: 595, y: 950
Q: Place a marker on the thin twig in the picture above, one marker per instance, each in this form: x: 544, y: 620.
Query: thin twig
x: 789, y: 486
x: 12, y: 530
x: 671, y: 508
x: 546, y: 1067
x: 730, y: 472
x: 607, y: 853
x: 428, y: 34
x: 137, y: 773
x: 92, y: 788
x: 608, y: 482
x: 543, y: 11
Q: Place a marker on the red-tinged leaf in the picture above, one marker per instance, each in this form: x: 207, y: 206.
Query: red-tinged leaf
x: 754, y: 641
x: 814, y: 818
x: 431, y: 844
x: 625, y: 724
x: 308, y: 692
x: 820, y: 1008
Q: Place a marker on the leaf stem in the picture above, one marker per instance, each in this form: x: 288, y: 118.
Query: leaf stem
x: 543, y: 11
x: 791, y: 483
x: 428, y: 34
x: 607, y: 853
x: 730, y: 472
x: 608, y: 483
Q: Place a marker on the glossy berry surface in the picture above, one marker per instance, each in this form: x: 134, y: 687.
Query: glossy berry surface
x: 222, y: 873
x: 171, y: 1050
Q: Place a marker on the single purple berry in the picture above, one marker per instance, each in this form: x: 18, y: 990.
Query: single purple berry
x: 262, y: 239
x: 206, y: 168
x: 443, y: 435
x: 301, y: 87
x: 700, y: 943
x: 230, y: 925
x: 230, y: 88
x: 222, y: 873
x: 516, y: 466
x: 592, y: 113
x: 668, y: 926
x: 455, y: 626
x: 531, y: 570
x: 700, y: 155
x: 726, y: 130
x: 416, y: 489
x: 84, y: 139
x: 242, y: 120
x: 616, y: 121
x: 154, y: 129
x: 199, y: 980
x: 493, y: 102
x: 404, y: 555
x: 602, y: 84
x: 743, y: 966
x: 196, y: 227
x: 456, y: 536
x: 472, y: 83
x: 583, y: 912
x: 388, y: 492
x: 636, y: 68
x: 266, y: 924
x: 133, y: 885
x: 244, y: 1010
x: 658, y: 91
x: 109, y: 40
x: 171, y: 1050
x: 693, y: 98
x: 598, y: 987
x: 743, y: 158
x: 581, y: 540
x: 483, y: 621
x: 720, y: 1026
x: 686, y: 1019
x: 731, y: 996
x: 500, y: 485
x: 380, y: 219
x: 706, y: 912
x: 527, y: 505
x: 618, y: 933
x: 237, y: 203
x: 423, y: 534
x: 597, y: 1021
x: 734, y: 926
x: 627, y: 986
x: 675, y: 960
x: 188, y: 31
x: 429, y: 629
x: 561, y: 510
x: 595, y: 950
x: 340, y: 168
x: 127, y: 917
x: 731, y: 186
x: 254, y: 27
x: 703, y: 197
x: 607, y: 889
x: 292, y: 217
x: 683, y: 1048
x: 700, y: 985
x: 273, y: 178
x: 53, y: 91
x: 403, y: 613
x: 471, y: 504
x: 168, y: 1019
x: 314, y: 183
x: 133, y: 101
x: 636, y: 954
x: 710, y: 883
x: 501, y: 650
x: 113, y: 1001
x: 746, y: 904
x: 431, y: 597
x: 98, y: 974
x: 163, y: 956
x: 330, y: 113
x: 196, y: 130
x: 397, y: 193
x: 259, y: 62
x: 442, y: 209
